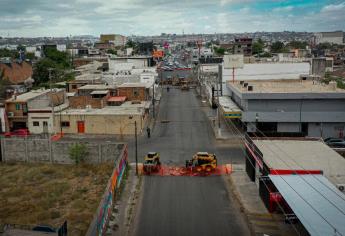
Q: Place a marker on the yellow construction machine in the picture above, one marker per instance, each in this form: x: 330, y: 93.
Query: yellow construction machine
x: 202, y: 162
x: 151, y: 162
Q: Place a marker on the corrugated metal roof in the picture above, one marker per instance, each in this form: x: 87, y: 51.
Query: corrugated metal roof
x: 303, y: 155
x: 318, y: 204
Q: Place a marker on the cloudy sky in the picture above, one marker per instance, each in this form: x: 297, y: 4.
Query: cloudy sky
x: 152, y: 17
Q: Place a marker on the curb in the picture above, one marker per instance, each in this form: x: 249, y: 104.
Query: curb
x: 232, y: 188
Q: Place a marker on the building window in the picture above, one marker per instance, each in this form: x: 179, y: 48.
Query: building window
x: 18, y: 107
x: 45, y: 123
x: 64, y: 123
x: 74, y: 86
x: 36, y: 123
x: 135, y: 92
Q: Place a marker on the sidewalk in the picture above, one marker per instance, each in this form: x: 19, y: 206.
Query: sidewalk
x: 247, y: 194
x: 125, y: 208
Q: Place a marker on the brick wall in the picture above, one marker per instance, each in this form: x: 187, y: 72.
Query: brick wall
x: 81, y: 102
x: 129, y: 93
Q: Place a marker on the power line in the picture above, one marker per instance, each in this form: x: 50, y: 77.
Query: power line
x: 299, y: 194
x: 243, y: 137
x: 308, y: 173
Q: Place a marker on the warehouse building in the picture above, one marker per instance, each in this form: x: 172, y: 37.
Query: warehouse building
x: 304, y: 179
x: 290, y: 107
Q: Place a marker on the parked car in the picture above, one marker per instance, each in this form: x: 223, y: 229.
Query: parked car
x: 18, y: 132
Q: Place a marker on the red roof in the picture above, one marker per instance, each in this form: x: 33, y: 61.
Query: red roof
x: 117, y: 99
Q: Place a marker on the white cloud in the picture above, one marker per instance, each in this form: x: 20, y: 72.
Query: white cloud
x: 334, y: 7
x: 283, y: 9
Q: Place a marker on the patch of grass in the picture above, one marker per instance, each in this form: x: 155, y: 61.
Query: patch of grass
x: 50, y: 194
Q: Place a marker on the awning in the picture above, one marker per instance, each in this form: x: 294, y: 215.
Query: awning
x: 117, y: 99
x: 317, y: 203
x: 99, y: 92
x: 229, y: 108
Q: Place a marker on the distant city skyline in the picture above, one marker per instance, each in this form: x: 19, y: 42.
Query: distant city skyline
x: 60, y: 18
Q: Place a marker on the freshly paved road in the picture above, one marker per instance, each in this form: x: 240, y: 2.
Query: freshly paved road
x: 186, y: 205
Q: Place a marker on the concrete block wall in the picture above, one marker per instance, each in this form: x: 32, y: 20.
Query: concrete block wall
x: 44, y: 150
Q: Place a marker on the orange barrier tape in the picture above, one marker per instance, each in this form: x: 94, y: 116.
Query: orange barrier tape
x: 183, y: 171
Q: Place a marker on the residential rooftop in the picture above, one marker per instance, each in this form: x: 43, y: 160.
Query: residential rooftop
x: 286, y: 86
x: 303, y: 155
x: 135, y: 85
x: 96, y: 87
x: 30, y: 95
x: 126, y: 108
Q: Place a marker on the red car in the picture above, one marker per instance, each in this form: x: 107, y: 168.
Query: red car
x: 18, y: 132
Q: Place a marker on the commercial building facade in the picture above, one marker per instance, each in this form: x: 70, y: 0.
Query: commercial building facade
x: 290, y: 107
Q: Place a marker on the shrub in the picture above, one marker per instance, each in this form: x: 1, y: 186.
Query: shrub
x: 78, y: 152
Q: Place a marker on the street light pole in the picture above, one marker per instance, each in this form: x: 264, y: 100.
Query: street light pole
x: 136, y: 148
x: 153, y: 101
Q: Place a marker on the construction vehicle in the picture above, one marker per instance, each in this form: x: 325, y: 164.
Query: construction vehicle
x: 151, y: 162
x: 202, y: 162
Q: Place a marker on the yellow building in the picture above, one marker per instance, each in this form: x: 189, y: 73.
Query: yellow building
x: 109, y: 120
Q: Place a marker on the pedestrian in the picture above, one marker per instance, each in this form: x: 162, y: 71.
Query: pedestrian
x: 168, y: 89
x: 148, y: 130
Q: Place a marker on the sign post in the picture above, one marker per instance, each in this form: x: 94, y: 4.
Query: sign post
x: 233, y: 62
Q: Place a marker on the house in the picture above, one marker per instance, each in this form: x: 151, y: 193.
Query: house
x: 135, y: 91
x: 116, y: 120
x: 92, y: 96
x: 33, y: 110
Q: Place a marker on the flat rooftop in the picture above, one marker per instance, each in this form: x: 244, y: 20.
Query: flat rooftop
x: 96, y: 87
x: 30, y: 95
x: 135, y: 85
x: 126, y: 108
x: 286, y: 86
x: 228, y: 105
x: 303, y: 155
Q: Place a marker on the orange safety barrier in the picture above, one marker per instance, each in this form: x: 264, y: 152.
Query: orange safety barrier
x: 183, y: 171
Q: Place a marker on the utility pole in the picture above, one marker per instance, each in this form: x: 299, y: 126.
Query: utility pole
x: 136, y: 148
x: 153, y: 101
x: 51, y: 98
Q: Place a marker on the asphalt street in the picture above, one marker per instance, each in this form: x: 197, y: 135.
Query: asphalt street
x: 186, y: 205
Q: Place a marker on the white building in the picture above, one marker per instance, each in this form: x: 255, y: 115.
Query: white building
x: 336, y: 37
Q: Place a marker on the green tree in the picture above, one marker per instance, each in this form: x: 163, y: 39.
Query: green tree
x: 60, y: 58
x: 78, y: 152
x: 30, y: 56
x: 219, y: 51
x: 266, y: 54
x: 258, y: 47
x: 278, y: 47
x: 21, y: 48
x: 41, y: 70
x: 4, y: 83
x: 298, y: 45
x: 112, y: 51
x: 9, y: 53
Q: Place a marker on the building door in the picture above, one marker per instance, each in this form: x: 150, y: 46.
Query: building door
x: 81, y: 127
x: 45, y: 127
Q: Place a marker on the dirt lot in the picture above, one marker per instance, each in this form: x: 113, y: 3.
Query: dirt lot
x: 49, y: 194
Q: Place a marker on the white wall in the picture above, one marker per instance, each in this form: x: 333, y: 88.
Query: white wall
x: 61, y: 47
x: 2, y: 118
x: 268, y: 71
x: 40, y: 117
